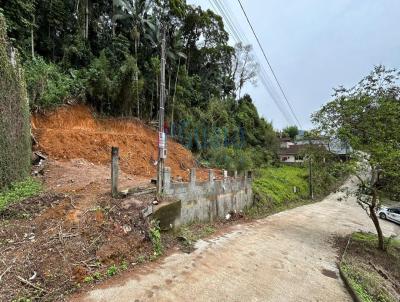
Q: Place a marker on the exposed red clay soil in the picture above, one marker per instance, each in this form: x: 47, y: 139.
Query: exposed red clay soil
x: 70, y: 236
x: 73, y: 132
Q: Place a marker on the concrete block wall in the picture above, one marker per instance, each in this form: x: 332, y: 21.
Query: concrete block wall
x: 207, y: 200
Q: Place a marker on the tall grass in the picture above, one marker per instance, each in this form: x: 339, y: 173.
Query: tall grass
x: 281, y: 184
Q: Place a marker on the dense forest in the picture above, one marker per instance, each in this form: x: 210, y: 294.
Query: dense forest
x: 107, y: 54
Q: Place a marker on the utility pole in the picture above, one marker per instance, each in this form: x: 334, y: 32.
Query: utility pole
x: 162, y: 151
x: 310, y: 184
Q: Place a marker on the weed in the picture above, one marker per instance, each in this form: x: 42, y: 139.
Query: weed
x: 88, y: 279
x: 124, y: 266
x: 96, y: 275
x: 19, y: 191
x: 155, y: 236
x: 92, y: 277
x: 189, y: 234
x: 112, y: 270
x: 141, y: 259
x: 208, y: 230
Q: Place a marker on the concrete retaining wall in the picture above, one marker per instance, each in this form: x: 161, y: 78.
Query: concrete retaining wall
x: 202, y: 201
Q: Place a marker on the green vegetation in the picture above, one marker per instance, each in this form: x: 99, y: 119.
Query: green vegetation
x: 155, y: 237
x: 93, y: 277
x: 328, y: 172
x: 363, y: 262
x: 19, y: 191
x: 367, y: 117
x: 189, y: 234
x: 112, y: 270
x: 273, y: 189
x: 107, y: 54
x: 47, y: 85
x: 123, y: 266
x: 15, y: 141
x: 277, y: 188
x: 141, y: 259
x: 291, y: 131
x: 276, y: 184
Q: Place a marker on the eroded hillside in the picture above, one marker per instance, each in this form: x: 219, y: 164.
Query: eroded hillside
x: 73, y: 132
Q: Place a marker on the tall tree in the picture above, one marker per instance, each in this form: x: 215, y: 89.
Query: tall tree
x: 291, y: 131
x: 244, y: 67
x: 367, y: 117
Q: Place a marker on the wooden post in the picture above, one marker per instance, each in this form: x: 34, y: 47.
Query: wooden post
x: 114, y: 171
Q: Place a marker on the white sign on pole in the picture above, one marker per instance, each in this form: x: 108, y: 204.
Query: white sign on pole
x: 161, y: 140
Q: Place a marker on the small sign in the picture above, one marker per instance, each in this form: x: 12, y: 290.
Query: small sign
x: 161, y: 139
x: 163, y: 153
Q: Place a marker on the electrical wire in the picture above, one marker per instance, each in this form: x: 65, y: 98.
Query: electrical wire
x: 239, y: 36
x: 269, y: 64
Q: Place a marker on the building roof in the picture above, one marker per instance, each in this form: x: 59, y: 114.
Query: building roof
x: 297, y: 149
x: 291, y: 150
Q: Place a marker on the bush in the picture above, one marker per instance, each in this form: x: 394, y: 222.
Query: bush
x: 112, y: 87
x: 47, y: 85
x: 238, y: 159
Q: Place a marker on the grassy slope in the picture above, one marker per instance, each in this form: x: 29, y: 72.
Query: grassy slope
x: 370, y: 272
x: 273, y: 190
x: 277, y: 183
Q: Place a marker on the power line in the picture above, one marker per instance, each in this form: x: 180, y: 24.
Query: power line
x: 239, y: 36
x: 269, y: 64
x: 216, y: 5
x: 262, y: 73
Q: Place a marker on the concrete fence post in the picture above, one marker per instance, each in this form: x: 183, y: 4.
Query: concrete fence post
x: 114, y: 171
x: 225, y: 174
x: 193, y: 175
x: 235, y: 174
x: 211, y: 175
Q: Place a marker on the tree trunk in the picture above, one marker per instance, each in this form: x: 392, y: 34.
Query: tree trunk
x: 151, y: 103
x: 87, y: 20
x: 375, y: 220
x: 137, y: 80
x: 32, y: 38
x: 112, y: 20
x: 173, y: 99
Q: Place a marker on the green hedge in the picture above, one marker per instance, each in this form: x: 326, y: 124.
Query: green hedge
x: 15, y: 144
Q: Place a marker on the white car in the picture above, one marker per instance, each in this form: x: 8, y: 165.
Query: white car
x: 392, y: 214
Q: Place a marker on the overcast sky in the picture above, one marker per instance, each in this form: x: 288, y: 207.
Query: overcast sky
x: 315, y: 45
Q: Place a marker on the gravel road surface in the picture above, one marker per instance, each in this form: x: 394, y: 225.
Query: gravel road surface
x: 289, y: 256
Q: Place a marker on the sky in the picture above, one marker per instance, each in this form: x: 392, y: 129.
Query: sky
x: 314, y: 46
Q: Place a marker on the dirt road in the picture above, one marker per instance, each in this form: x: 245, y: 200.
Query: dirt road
x: 285, y: 257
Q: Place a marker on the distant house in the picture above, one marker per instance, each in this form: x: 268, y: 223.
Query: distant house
x: 285, y: 142
x: 293, y: 151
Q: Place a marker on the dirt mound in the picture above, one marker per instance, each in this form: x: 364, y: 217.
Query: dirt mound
x: 74, y: 132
